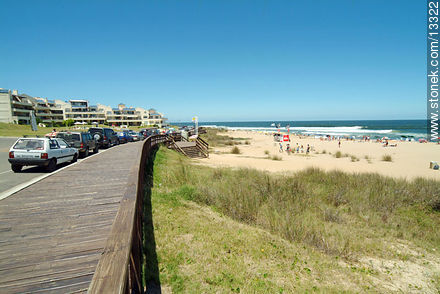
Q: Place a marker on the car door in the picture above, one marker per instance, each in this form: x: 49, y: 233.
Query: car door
x: 55, y: 150
x: 66, y: 151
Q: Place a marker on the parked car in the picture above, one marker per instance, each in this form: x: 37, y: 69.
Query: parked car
x: 141, y: 136
x: 105, y: 137
x: 82, y: 141
x: 124, y: 137
x: 45, y: 152
x: 134, y: 135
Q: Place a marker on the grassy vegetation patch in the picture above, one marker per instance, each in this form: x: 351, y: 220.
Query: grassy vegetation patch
x: 217, y: 138
x: 387, y: 157
x: 225, y: 230
x: 235, y: 150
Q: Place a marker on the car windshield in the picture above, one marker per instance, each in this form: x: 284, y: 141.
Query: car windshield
x: 69, y: 137
x: 30, y: 144
x: 95, y: 130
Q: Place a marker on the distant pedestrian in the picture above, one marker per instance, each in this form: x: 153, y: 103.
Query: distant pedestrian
x: 339, y: 143
x: 281, y: 147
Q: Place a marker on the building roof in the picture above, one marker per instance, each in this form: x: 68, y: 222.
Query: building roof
x: 78, y: 100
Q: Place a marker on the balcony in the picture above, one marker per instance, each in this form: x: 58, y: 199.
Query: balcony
x: 21, y: 110
x: 39, y: 106
x: 124, y: 120
x: 22, y: 103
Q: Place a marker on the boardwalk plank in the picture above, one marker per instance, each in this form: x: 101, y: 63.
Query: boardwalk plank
x: 53, y: 233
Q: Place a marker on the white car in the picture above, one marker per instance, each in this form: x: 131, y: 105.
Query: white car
x: 47, y: 152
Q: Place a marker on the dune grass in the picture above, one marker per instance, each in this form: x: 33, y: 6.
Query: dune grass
x: 217, y: 137
x: 276, y: 157
x: 387, y: 157
x: 235, y: 150
x: 336, y: 218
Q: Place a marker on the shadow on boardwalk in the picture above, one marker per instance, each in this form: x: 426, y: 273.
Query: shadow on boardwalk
x: 151, y: 267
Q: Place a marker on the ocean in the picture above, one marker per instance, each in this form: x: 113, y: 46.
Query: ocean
x: 393, y: 129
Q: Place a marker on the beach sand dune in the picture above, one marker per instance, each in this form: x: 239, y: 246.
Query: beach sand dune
x: 409, y: 159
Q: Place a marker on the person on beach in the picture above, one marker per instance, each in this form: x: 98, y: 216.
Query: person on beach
x: 281, y: 147
x: 339, y: 143
x: 288, y: 149
x: 308, y: 149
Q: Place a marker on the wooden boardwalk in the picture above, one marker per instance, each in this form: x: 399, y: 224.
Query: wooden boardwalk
x: 52, y: 234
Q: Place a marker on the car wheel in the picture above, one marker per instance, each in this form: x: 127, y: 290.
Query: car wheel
x: 16, y: 168
x: 75, y: 157
x: 96, y: 150
x: 52, y: 165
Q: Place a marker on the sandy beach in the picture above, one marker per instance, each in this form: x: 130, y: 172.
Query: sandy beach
x: 409, y: 159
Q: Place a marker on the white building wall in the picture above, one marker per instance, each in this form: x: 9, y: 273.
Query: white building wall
x: 5, y: 106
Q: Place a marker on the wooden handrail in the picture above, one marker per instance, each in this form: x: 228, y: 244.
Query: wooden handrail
x: 119, y: 268
x: 203, y: 146
x: 203, y: 142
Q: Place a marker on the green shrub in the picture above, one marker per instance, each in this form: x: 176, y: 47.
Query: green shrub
x: 235, y: 150
x: 276, y: 157
x: 387, y: 157
x: 354, y: 158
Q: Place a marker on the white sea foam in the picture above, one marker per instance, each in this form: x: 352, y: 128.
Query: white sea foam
x: 341, y: 131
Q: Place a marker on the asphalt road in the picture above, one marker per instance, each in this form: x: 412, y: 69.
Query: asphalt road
x: 9, y: 179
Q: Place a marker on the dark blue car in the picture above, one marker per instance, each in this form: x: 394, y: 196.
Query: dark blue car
x: 124, y: 137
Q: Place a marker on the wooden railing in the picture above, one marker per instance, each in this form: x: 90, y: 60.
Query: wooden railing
x: 119, y: 268
x: 203, y: 146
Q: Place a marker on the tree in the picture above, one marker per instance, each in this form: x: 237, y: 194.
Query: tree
x: 69, y: 122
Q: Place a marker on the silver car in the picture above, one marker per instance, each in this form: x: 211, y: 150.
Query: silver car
x: 47, y: 152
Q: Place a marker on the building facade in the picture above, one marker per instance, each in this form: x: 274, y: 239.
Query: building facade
x: 81, y: 111
x: 17, y: 108
x: 47, y: 111
x: 153, y: 118
x: 124, y: 116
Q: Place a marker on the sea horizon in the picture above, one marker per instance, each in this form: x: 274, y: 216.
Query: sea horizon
x: 394, y: 129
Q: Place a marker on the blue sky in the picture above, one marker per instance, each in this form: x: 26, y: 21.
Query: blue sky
x: 222, y: 60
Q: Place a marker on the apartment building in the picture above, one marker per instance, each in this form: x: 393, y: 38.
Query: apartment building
x: 81, y: 111
x: 153, y: 117
x: 123, y: 115
x: 15, y: 108
x: 47, y: 111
